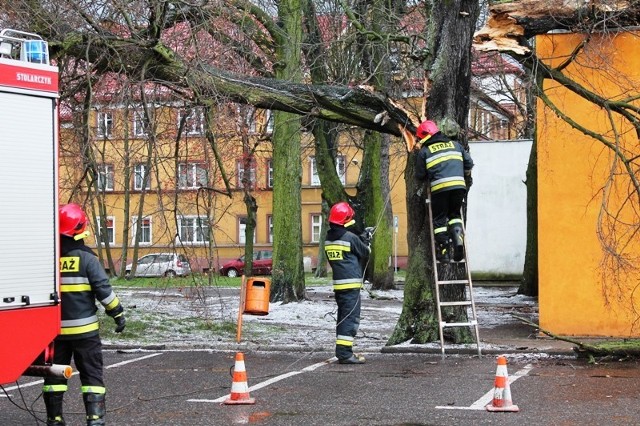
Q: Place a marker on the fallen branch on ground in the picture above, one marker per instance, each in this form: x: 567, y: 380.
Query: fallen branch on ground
x: 620, y: 348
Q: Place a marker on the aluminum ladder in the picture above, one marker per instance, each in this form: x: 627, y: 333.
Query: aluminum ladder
x: 453, y: 273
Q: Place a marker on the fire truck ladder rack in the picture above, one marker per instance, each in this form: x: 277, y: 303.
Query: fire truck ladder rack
x: 453, y: 274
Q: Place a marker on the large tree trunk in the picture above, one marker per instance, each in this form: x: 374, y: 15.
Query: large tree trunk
x: 447, y: 88
x: 373, y: 196
x: 288, y: 265
x: 418, y: 321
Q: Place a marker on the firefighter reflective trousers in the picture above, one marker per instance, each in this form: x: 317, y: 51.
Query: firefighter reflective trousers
x: 445, y: 206
x: 348, y: 321
x: 87, y: 355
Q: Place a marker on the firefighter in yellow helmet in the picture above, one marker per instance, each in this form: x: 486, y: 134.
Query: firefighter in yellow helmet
x: 83, y: 280
x: 346, y: 252
x: 445, y: 164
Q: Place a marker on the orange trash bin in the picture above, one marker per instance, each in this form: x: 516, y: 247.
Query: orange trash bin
x: 257, y: 296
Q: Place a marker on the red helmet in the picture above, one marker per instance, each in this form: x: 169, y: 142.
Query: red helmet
x: 73, y: 220
x: 341, y: 214
x: 426, y: 129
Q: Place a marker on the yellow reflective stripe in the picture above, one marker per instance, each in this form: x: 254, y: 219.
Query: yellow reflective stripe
x: 439, y: 160
x: 344, y: 342
x: 453, y: 221
x: 71, y: 288
x: 115, y: 302
x: 54, y: 388
x: 448, y: 184
x: 93, y: 389
x: 440, y: 230
x: 79, y: 330
x: 337, y: 247
x: 347, y: 286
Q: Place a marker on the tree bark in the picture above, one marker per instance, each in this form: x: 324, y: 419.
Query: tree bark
x: 288, y: 265
x: 447, y: 90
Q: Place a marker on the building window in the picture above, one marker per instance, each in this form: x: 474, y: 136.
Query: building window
x: 192, y: 175
x: 110, y: 236
x: 316, y: 227
x: 270, y: 230
x: 140, y: 124
x: 141, y: 177
x: 270, y: 173
x: 193, y: 229
x: 104, y: 124
x: 193, y: 121
x: 340, y: 169
x: 241, y: 173
x: 242, y: 228
x: 270, y: 121
x: 145, y: 231
x: 105, y: 177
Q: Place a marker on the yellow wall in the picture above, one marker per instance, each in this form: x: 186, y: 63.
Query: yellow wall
x: 581, y: 291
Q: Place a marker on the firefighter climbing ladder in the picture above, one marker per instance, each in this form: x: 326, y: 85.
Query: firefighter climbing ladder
x: 447, y: 274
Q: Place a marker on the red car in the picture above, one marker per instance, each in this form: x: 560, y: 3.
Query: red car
x: 262, y: 264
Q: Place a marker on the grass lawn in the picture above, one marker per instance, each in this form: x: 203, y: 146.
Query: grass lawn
x: 197, y: 280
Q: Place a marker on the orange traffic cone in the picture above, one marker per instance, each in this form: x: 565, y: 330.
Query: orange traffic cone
x: 501, y: 391
x: 239, y: 387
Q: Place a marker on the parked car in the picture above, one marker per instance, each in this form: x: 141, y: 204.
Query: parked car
x: 160, y: 265
x: 262, y: 264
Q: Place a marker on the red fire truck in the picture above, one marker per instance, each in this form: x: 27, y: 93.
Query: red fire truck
x: 29, y: 278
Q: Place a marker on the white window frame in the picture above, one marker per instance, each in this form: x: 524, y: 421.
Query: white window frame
x: 270, y: 121
x: 110, y: 220
x: 270, y: 228
x: 105, y: 177
x: 139, y: 173
x: 270, y: 173
x: 194, y: 121
x: 316, y: 227
x: 198, y: 230
x: 190, y: 175
x: 242, y: 226
x: 104, y: 124
x: 134, y: 229
x: 240, y: 173
x: 340, y: 169
x: 140, y: 124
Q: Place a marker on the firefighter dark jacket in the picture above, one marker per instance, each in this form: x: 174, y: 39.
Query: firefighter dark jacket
x: 443, y: 162
x: 345, y: 251
x: 83, y: 281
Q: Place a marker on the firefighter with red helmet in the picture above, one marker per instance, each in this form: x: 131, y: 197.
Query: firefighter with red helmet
x: 445, y: 164
x: 83, y: 281
x: 346, y: 252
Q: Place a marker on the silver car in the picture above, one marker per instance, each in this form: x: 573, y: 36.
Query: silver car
x: 160, y: 265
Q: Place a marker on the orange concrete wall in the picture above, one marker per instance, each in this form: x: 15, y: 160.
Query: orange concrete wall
x: 582, y: 291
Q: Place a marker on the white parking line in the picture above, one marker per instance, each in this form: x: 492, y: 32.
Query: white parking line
x: 271, y: 381
x: 481, y: 403
x: 40, y: 381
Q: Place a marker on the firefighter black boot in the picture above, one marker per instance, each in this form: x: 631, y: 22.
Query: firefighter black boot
x: 457, y: 236
x: 53, y: 403
x: 442, y: 252
x: 95, y: 408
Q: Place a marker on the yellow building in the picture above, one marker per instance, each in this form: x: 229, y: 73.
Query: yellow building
x: 587, y: 208
x: 184, y: 198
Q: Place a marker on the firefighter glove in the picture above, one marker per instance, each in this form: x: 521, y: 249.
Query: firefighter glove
x: 367, y: 235
x: 121, y: 322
